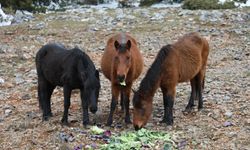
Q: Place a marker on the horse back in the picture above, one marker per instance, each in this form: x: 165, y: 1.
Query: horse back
x: 55, y: 64
x: 188, y: 57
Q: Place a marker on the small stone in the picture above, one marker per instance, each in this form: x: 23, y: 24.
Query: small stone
x: 26, y: 97
x: 31, y: 115
x: 228, y: 114
x: 39, y: 26
x: 226, y: 98
x: 227, y: 124
x: 1, y: 80
x: 7, y: 112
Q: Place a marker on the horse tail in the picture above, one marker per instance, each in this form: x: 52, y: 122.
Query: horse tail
x: 205, y: 52
x: 39, y: 56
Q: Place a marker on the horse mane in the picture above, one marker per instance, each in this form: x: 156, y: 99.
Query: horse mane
x: 86, y: 64
x: 148, y: 83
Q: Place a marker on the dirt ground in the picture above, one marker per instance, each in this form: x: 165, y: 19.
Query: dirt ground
x: 224, y: 123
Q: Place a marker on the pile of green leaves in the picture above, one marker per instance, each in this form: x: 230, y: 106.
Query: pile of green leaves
x: 139, y: 139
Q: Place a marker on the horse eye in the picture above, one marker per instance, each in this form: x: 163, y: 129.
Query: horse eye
x: 128, y: 57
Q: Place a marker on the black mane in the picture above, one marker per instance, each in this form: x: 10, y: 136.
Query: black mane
x: 147, y: 84
x: 88, y: 67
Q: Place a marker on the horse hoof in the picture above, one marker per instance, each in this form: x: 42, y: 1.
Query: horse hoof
x: 85, y: 122
x: 65, y: 123
x: 109, y: 123
x: 170, y: 122
x: 187, y: 111
x: 200, y: 108
x: 163, y: 121
x: 46, y: 118
x: 128, y: 121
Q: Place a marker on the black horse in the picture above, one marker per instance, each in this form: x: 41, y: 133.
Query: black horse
x: 71, y: 69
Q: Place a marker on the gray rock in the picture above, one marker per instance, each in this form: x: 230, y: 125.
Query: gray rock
x: 185, y: 12
x: 7, y: 112
x: 26, y: 97
x: 5, y: 19
x: 157, y: 16
x: 22, y: 16
x: 31, y: 115
x: 19, y: 79
x: 38, y: 26
x: 53, y: 6
x: 1, y: 80
x: 4, y: 49
x: 228, y: 114
x: 211, y: 16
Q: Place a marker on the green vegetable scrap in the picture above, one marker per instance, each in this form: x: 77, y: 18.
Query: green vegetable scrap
x: 96, y: 130
x: 139, y: 139
x: 123, y: 83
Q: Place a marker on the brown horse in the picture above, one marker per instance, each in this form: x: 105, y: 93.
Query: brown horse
x: 121, y: 63
x: 182, y: 61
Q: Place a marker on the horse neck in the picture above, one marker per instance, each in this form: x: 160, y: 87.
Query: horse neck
x: 149, y: 90
x: 88, y: 68
x: 151, y: 82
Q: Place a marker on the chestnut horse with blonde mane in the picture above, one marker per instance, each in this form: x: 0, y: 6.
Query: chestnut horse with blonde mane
x: 121, y: 63
x: 182, y: 61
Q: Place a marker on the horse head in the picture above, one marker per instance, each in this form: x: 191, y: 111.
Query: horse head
x: 142, y: 110
x: 122, y: 60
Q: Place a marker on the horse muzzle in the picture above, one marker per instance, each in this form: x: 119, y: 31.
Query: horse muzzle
x: 137, y: 127
x: 121, y: 78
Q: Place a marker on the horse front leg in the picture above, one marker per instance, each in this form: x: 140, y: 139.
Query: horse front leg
x: 85, y: 110
x: 168, y: 100
x: 122, y: 101
x: 193, y: 96
x: 66, y: 92
x: 126, y: 103
x: 114, y: 101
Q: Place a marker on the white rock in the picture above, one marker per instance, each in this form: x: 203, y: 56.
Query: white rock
x: 1, y: 80
x: 228, y: 114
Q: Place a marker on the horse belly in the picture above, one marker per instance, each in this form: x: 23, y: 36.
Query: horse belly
x: 189, y: 71
x: 106, y: 64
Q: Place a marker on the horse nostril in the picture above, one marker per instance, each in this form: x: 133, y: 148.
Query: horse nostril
x: 136, y: 127
x: 121, y: 78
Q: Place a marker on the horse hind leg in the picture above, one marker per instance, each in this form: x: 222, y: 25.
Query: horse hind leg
x: 43, y: 96
x: 193, y: 95
x: 200, y: 87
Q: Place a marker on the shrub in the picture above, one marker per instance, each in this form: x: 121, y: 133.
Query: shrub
x: 17, y: 4
x: 207, y: 4
x: 149, y: 2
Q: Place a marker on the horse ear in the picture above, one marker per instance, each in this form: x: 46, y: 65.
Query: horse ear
x: 97, y: 74
x: 116, y: 44
x: 128, y: 44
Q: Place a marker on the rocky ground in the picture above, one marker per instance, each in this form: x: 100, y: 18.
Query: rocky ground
x: 224, y: 123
